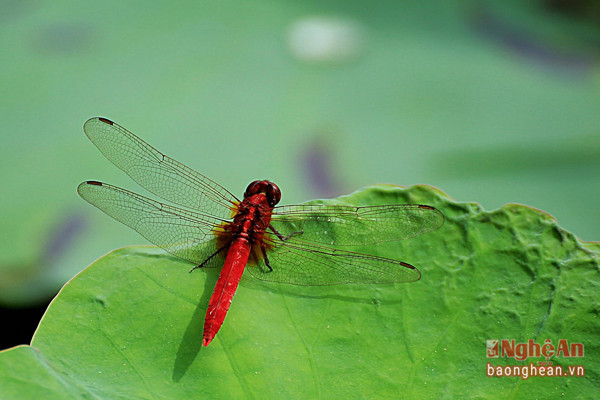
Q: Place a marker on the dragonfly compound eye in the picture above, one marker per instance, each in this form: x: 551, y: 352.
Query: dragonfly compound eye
x: 268, y: 188
x: 273, y: 193
x: 253, y: 188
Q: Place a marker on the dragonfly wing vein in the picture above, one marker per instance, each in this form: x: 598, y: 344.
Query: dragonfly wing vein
x: 301, y: 263
x: 183, y: 233
x: 156, y: 172
x: 341, y: 225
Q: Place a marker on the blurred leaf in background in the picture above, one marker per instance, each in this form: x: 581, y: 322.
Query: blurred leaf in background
x: 494, y: 102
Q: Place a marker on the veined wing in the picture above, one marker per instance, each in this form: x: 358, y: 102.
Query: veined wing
x: 156, y: 172
x: 302, y: 263
x: 341, y: 225
x: 183, y: 233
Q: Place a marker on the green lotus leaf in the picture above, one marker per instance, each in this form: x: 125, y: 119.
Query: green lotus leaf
x: 130, y: 325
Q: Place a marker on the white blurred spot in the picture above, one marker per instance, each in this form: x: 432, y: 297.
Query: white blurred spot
x: 326, y: 39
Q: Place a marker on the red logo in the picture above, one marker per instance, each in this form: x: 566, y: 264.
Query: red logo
x: 493, y: 348
x: 531, y: 349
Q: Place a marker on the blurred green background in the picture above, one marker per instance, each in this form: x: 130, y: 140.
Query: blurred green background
x: 493, y: 102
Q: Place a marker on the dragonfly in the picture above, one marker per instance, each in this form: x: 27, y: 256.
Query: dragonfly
x: 207, y: 225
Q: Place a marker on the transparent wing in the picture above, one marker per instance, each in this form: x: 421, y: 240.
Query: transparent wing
x: 309, y: 264
x: 183, y: 233
x: 349, y: 226
x: 156, y: 172
x: 306, y: 258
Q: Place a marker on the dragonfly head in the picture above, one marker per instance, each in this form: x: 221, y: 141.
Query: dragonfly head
x: 268, y: 188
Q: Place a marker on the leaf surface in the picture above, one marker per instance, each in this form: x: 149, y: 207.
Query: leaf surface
x: 130, y: 325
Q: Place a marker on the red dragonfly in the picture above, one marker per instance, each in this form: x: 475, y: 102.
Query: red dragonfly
x: 287, y: 244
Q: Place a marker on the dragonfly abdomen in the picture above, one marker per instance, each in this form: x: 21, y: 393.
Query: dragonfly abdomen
x: 227, y: 284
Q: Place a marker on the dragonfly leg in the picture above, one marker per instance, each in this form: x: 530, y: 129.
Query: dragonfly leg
x: 211, y: 257
x: 281, y: 237
x: 263, y: 249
